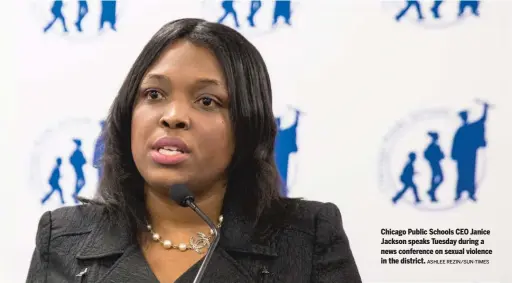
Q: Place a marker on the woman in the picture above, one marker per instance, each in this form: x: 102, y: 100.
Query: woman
x: 195, y: 109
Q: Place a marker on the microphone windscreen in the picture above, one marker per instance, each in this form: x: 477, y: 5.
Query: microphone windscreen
x: 181, y: 194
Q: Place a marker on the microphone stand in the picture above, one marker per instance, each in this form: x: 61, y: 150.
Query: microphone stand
x: 190, y: 203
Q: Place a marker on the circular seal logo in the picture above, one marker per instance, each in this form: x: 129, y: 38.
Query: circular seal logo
x: 434, y: 159
x: 252, y: 18
x: 77, y: 20
x: 63, y: 162
x: 432, y: 14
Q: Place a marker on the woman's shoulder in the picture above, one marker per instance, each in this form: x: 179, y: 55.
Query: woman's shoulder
x: 67, y: 220
x: 306, y: 215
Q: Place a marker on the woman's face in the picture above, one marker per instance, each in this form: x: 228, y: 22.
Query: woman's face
x: 181, y: 131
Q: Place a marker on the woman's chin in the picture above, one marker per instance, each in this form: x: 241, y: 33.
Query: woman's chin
x: 164, y: 182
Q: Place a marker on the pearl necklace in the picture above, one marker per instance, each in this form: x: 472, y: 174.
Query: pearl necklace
x: 197, y: 244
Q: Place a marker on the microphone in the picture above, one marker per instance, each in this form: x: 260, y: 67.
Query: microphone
x: 182, y: 195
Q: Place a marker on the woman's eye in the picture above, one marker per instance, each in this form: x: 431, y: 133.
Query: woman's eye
x: 208, y: 102
x: 153, y: 94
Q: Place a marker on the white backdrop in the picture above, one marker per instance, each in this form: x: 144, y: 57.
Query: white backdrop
x: 352, y: 70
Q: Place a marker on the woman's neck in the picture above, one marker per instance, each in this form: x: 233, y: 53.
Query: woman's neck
x: 168, y: 217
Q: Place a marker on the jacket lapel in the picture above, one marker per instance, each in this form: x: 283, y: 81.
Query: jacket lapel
x: 131, y: 267
x: 112, y: 241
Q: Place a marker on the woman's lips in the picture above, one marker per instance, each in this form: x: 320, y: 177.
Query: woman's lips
x: 168, y: 156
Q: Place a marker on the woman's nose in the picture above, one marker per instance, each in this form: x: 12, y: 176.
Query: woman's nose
x: 176, y: 116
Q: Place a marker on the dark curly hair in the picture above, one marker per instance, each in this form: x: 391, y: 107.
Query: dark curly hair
x: 253, y: 179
